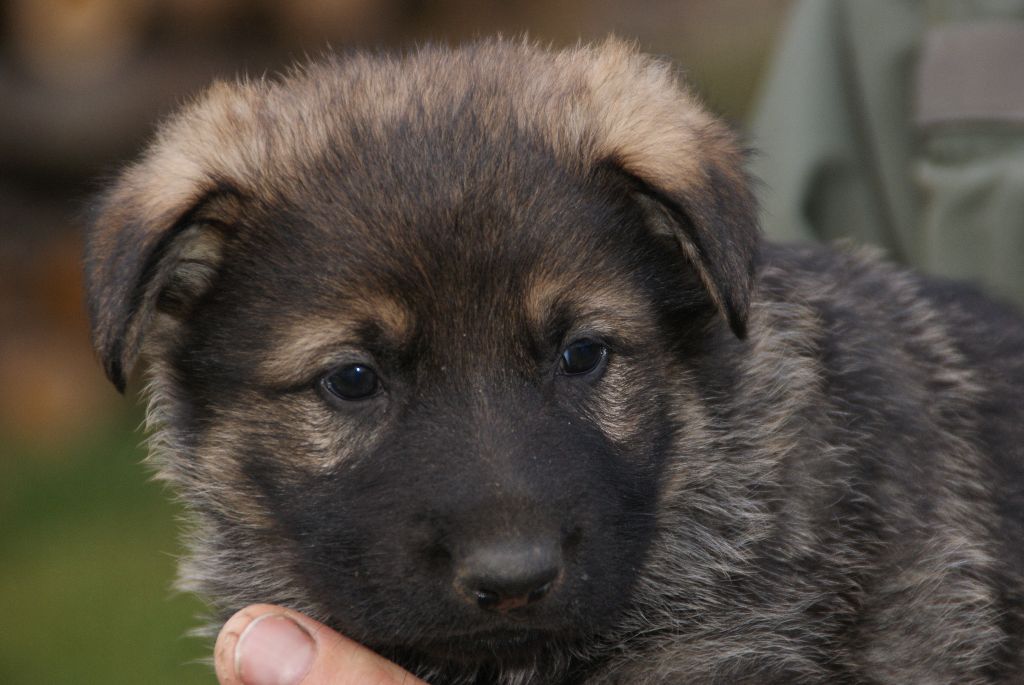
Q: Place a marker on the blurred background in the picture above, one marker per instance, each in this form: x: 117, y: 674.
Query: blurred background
x: 87, y: 541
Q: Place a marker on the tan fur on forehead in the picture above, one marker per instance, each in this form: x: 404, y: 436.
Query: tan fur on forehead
x: 596, y: 299
x: 589, y: 104
x: 310, y: 343
x: 305, y: 346
x: 635, y: 112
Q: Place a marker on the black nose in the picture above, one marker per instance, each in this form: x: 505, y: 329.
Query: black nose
x: 508, y: 575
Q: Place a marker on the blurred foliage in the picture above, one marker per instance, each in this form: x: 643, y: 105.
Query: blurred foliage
x: 88, y: 548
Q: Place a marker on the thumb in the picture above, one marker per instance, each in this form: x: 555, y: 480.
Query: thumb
x: 270, y: 645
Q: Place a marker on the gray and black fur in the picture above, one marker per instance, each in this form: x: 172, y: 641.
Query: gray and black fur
x: 787, y: 465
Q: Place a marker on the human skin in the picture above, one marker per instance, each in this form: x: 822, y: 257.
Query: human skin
x: 265, y: 644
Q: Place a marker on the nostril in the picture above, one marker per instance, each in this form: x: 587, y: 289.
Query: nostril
x: 538, y: 593
x: 489, y: 600
x: 511, y: 598
x: 486, y: 599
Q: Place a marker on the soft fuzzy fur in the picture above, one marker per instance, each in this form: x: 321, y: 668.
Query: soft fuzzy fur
x: 797, y: 466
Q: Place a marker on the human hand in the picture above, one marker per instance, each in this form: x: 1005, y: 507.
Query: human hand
x: 269, y: 645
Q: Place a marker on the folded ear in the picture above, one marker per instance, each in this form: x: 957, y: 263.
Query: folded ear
x: 156, y: 237
x: 688, y: 166
x: 713, y: 219
x: 140, y: 263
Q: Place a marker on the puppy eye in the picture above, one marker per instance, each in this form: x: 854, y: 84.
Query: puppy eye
x: 583, y: 356
x: 351, y: 382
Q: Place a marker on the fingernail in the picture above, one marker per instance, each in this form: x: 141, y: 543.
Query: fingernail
x: 274, y: 650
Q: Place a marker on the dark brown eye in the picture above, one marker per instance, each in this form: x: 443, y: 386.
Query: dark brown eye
x: 352, y: 382
x: 583, y: 356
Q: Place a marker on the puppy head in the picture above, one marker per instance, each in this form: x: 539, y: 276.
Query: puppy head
x: 415, y: 328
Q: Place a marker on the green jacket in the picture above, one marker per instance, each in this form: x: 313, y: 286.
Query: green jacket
x: 900, y: 123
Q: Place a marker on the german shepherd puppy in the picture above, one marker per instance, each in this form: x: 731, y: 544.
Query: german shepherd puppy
x: 475, y: 355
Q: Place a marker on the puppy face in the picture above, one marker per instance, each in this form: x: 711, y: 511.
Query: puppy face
x: 419, y: 331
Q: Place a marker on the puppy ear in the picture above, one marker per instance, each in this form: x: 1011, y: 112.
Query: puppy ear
x: 156, y: 237
x: 713, y: 219
x: 686, y: 162
x: 144, y: 259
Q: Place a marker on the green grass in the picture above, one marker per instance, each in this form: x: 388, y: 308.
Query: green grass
x: 87, y: 547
